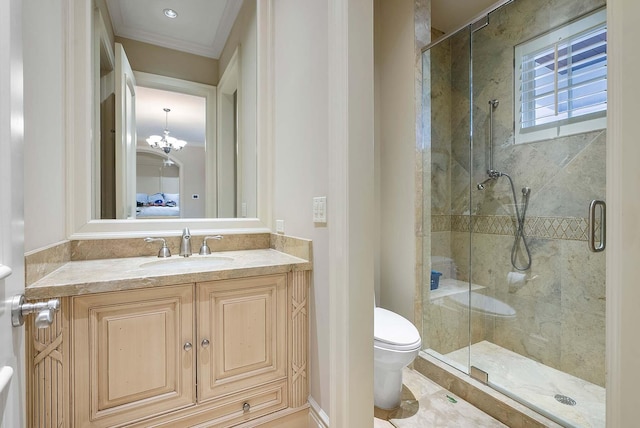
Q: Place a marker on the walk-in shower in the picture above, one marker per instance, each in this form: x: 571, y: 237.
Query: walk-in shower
x: 517, y: 99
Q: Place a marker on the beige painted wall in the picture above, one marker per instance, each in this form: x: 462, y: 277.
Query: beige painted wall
x: 301, y: 167
x: 168, y: 62
x: 395, y: 154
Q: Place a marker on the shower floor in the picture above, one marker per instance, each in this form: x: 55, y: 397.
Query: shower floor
x: 536, y: 385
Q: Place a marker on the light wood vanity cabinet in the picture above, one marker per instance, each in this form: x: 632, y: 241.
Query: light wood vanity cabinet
x: 216, y: 353
x: 242, y: 334
x: 130, y: 359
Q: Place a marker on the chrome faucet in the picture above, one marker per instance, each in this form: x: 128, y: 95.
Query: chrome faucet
x: 185, y: 245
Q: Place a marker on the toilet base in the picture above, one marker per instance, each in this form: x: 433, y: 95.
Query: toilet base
x: 387, y: 389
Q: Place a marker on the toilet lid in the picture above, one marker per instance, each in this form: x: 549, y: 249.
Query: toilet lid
x: 391, y: 328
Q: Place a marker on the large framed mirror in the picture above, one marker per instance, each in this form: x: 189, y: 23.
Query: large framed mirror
x: 116, y: 183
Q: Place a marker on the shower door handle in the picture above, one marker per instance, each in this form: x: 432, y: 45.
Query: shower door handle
x: 592, y: 226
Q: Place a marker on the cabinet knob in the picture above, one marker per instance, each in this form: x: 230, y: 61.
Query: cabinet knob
x: 205, y: 343
x: 187, y: 346
x: 246, y: 407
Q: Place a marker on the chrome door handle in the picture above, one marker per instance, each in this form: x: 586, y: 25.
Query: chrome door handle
x: 592, y: 226
x: 43, y: 310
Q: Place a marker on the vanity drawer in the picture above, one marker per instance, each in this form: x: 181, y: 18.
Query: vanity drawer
x: 228, y: 411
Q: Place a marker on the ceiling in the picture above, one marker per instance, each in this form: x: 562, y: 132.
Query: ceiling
x: 201, y: 28
x: 186, y: 118
x: 449, y: 15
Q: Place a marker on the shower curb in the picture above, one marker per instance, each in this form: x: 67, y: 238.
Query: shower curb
x: 490, y: 401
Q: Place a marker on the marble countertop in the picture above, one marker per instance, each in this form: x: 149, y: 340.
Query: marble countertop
x: 104, y: 275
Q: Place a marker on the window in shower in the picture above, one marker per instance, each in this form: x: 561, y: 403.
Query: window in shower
x: 561, y: 81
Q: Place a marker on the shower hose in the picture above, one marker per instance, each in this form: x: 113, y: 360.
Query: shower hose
x: 519, y: 235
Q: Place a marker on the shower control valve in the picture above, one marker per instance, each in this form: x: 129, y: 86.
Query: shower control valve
x: 492, y: 173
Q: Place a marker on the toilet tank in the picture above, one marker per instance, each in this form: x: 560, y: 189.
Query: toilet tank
x: 444, y: 265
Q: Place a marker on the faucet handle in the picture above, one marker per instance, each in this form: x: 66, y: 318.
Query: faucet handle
x: 164, y: 250
x: 205, y: 250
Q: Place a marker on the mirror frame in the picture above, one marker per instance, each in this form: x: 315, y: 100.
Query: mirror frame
x: 81, y: 127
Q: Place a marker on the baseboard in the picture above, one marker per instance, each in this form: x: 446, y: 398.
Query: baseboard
x: 317, y: 417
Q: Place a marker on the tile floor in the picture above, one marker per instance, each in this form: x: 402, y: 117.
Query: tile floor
x: 427, y: 404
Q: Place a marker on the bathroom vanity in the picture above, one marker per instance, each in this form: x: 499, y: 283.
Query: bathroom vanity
x: 214, y: 340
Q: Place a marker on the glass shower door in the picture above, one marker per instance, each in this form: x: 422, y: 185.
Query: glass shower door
x: 446, y: 166
x: 537, y: 292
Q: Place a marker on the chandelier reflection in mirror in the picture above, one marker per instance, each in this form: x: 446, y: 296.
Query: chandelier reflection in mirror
x: 165, y: 142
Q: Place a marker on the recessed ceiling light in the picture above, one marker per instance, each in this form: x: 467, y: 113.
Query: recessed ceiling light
x: 170, y: 13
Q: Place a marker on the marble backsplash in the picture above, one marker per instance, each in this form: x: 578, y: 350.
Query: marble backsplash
x: 41, y: 262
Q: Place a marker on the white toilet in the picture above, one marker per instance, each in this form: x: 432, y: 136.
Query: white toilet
x: 396, y: 343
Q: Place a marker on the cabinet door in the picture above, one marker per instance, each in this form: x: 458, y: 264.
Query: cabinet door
x: 130, y: 358
x: 242, y: 334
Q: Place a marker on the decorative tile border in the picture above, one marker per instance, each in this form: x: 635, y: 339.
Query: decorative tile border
x: 441, y: 223
x: 565, y: 228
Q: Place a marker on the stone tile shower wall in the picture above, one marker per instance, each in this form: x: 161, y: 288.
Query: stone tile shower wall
x: 561, y: 307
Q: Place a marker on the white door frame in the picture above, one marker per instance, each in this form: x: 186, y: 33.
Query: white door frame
x: 351, y: 160
x: 126, y: 141
x: 623, y: 200
x: 12, y: 354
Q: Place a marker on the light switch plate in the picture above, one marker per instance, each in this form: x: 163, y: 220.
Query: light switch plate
x: 320, y: 209
x: 279, y: 226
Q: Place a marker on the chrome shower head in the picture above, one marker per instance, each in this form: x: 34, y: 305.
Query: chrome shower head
x: 526, y: 191
x: 481, y: 186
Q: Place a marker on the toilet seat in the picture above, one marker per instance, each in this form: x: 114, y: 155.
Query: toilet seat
x: 394, y: 332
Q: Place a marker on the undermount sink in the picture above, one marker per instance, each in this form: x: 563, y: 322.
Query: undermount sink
x: 195, y: 262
